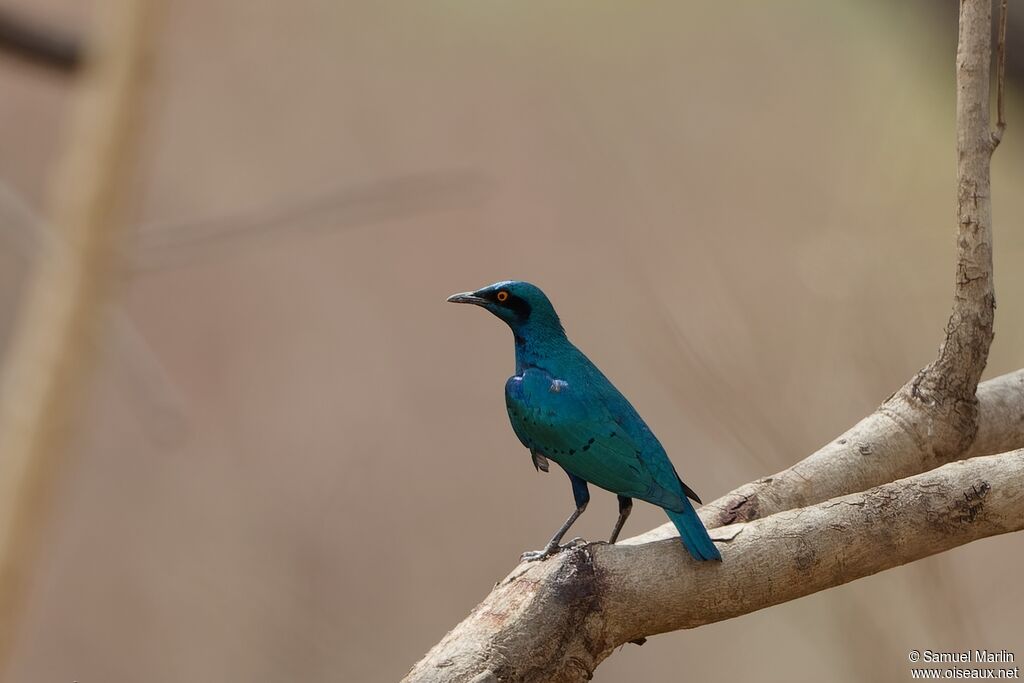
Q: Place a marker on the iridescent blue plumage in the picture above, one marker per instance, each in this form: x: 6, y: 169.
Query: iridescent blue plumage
x: 564, y: 409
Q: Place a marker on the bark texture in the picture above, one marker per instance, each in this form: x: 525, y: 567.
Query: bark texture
x: 951, y: 379
x: 880, y: 448
x: 557, y: 620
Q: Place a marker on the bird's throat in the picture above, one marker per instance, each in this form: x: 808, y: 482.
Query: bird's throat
x: 537, y: 347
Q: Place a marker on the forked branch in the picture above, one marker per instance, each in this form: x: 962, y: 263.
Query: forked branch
x: 557, y: 620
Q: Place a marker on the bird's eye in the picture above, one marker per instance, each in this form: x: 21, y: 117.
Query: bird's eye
x: 502, y: 296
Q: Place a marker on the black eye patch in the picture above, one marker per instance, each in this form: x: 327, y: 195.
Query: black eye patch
x: 521, y: 307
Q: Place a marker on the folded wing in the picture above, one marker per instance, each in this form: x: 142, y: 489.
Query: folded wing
x: 574, y: 427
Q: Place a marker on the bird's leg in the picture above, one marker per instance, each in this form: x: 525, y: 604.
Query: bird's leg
x: 625, y: 507
x: 553, y: 545
x: 582, y: 496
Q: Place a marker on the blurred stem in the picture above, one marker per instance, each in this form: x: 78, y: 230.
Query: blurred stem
x: 39, y: 44
x: 53, y: 343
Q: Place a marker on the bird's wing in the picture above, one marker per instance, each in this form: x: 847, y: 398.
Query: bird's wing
x: 560, y: 421
x: 651, y: 452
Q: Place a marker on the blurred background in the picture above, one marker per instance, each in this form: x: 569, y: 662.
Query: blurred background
x: 293, y: 461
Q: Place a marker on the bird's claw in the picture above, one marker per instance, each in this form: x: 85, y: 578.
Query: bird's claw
x: 551, y: 549
x: 534, y: 555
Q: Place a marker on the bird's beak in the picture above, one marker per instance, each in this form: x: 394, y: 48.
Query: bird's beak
x: 467, y: 298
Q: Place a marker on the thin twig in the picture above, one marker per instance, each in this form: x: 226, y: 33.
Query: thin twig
x: 997, y: 134
x: 38, y: 44
x: 337, y: 207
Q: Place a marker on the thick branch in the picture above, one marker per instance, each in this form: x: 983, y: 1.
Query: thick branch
x: 1000, y: 415
x: 942, y: 413
x: 880, y: 448
x: 557, y: 620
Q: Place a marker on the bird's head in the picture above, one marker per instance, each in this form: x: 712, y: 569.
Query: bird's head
x: 520, y: 304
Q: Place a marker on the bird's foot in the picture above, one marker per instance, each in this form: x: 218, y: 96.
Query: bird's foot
x: 551, y: 549
x: 535, y: 555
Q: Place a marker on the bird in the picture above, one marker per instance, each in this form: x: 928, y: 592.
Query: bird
x: 563, y: 409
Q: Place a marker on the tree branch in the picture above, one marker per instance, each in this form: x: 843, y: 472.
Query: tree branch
x: 950, y: 381
x: 997, y: 134
x: 39, y: 44
x: 942, y: 413
x: 811, y: 481
x: 880, y: 448
x: 557, y: 620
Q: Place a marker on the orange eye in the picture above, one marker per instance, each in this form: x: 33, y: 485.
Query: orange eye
x: 502, y: 296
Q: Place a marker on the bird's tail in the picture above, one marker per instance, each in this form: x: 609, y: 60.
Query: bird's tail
x: 693, y: 534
